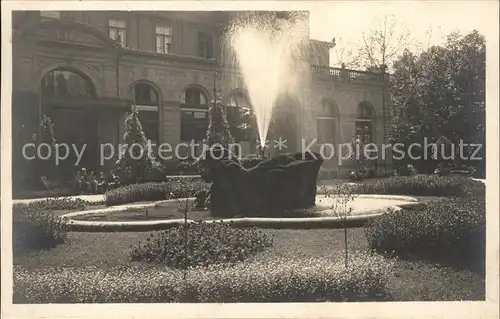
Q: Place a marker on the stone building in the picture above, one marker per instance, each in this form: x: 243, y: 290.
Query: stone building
x: 87, y: 69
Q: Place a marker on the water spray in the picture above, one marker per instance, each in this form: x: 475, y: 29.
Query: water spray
x: 266, y: 50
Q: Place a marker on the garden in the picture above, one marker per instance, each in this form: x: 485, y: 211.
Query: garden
x: 431, y: 251
x: 220, y: 237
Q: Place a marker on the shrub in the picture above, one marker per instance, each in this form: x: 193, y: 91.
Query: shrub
x: 35, y: 228
x: 218, y: 131
x: 174, y: 188
x: 51, y: 204
x: 206, y: 244
x: 134, y: 165
x: 296, y: 280
x: 423, y: 185
x: 407, y: 170
x: 355, y: 177
x: 451, y: 230
x: 46, y: 137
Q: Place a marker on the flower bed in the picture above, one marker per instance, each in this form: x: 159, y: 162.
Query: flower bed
x: 201, y: 244
x: 282, y: 280
x: 420, y: 185
x: 174, y: 188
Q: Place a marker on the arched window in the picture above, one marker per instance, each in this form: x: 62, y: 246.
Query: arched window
x: 239, y: 115
x: 364, y: 122
x: 327, y: 122
x: 146, y: 101
x: 62, y: 83
x: 66, y: 97
x: 194, y: 115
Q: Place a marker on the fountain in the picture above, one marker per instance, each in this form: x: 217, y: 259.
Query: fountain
x: 266, y: 51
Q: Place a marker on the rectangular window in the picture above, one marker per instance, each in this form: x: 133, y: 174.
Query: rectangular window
x: 50, y: 14
x: 163, y: 39
x: 118, y: 31
x: 205, y: 45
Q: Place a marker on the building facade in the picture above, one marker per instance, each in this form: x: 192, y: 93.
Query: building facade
x: 87, y: 70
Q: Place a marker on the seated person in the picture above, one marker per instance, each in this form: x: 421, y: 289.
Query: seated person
x: 102, y: 184
x: 83, y: 184
x: 92, y: 182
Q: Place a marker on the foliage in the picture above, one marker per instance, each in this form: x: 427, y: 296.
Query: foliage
x: 34, y: 227
x: 47, y: 135
x: 241, y: 119
x: 207, y: 244
x: 421, y: 185
x: 344, y: 56
x: 51, y: 204
x: 281, y: 280
x: 135, y: 160
x: 438, y: 96
x: 383, y: 44
x: 407, y: 170
x: 449, y: 230
x: 218, y: 128
x: 153, y: 191
x: 355, y: 176
x: 45, y: 169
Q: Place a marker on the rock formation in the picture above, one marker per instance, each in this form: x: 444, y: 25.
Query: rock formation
x: 270, y: 187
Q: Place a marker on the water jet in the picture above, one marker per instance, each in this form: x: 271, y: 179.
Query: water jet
x: 266, y: 49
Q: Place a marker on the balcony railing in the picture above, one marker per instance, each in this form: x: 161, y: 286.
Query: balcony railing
x: 347, y: 74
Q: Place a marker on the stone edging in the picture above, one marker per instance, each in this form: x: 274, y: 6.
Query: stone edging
x: 273, y: 223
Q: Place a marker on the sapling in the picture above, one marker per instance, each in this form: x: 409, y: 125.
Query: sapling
x: 342, y: 209
x: 184, y: 209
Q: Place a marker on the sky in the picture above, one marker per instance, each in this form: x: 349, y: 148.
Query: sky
x: 348, y: 20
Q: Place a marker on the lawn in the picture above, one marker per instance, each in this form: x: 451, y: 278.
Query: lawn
x: 411, y: 280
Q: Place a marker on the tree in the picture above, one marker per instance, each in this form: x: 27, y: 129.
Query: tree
x: 439, y: 94
x: 341, y: 196
x: 344, y: 56
x: 136, y: 159
x: 382, y: 45
x: 46, y: 168
x: 218, y: 129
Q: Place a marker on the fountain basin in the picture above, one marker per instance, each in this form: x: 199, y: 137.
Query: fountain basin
x: 118, y: 218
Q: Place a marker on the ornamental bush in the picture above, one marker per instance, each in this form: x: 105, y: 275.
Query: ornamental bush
x: 134, y: 165
x: 450, y: 230
x: 201, y: 244
x: 34, y: 227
